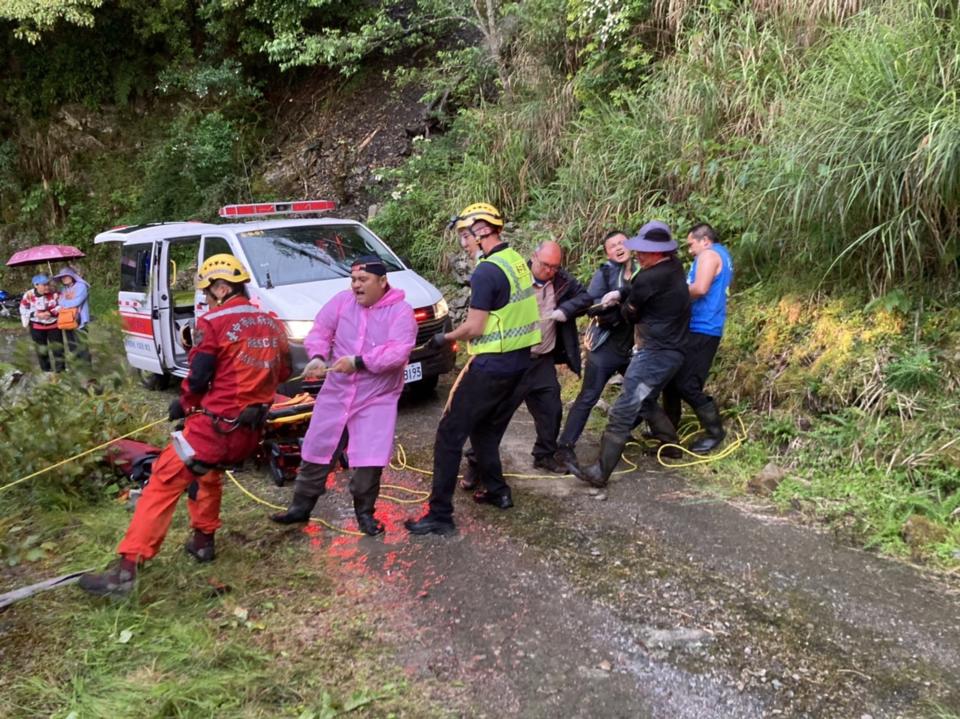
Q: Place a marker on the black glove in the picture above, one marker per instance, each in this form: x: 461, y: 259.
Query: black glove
x: 438, y: 341
x: 175, y: 410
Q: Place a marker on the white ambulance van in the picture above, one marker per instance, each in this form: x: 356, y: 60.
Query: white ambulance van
x: 295, y: 264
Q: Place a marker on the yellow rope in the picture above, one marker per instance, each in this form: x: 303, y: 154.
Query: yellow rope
x: 402, y: 465
x: 81, y: 454
x: 265, y: 503
x: 705, y: 458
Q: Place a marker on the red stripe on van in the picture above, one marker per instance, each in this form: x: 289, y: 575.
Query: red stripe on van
x: 137, y: 324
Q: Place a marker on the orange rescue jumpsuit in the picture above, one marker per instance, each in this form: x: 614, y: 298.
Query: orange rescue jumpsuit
x: 239, y: 357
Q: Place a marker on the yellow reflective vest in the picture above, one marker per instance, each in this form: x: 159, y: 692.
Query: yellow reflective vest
x: 517, y: 324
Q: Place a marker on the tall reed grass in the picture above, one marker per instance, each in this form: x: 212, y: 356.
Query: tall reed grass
x: 862, y: 171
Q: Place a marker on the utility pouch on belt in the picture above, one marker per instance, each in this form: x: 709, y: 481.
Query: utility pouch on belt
x: 253, y: 416
x: 187, y: 454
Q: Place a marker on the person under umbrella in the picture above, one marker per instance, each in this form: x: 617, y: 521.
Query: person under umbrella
x: 39, y: 307
x: 74, y: 312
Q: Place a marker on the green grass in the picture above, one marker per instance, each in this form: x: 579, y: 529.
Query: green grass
x: 283, y: 640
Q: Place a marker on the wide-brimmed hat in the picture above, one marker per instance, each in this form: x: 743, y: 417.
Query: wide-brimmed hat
x: 654, y: 236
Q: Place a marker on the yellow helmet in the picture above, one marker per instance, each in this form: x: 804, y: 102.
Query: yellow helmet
x: 221, y: 267
x: 474, y: 213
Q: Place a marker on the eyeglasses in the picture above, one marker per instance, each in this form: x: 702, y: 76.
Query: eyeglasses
x: 546, y: 265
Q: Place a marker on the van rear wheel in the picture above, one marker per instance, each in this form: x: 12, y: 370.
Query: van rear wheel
x: 152, y: 380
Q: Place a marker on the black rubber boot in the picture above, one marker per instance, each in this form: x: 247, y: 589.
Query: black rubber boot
x: 298, y: 511
x: 598, y: 473
x: 363, y: 508
x: 663, y: 431
x: 713, y: 431
x: 201, y: 546
x: 116, y: 581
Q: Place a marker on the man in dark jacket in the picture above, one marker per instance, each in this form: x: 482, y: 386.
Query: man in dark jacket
x: 658, y: 302
x: 609, y: 340
x: 560, y: 299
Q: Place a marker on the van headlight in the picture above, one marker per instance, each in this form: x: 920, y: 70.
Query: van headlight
x: 440, y: 309
x: 297, y: 329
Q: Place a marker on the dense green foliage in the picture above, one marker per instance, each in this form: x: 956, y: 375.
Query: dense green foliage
x: 821, y: 138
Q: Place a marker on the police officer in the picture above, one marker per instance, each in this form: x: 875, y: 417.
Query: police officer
x: 240, y: 355
x: 502, y: 324
x: 560, y: 298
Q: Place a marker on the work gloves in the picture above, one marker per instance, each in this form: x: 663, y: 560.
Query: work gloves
x: 611, y: 298
x: 315, y: 369
x: 175, y: 411
x: 438, y: 341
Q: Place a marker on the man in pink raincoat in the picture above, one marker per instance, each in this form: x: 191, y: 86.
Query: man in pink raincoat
x: 360, y: 343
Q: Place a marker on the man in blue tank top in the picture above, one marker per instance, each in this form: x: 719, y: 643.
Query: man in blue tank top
x: 709, y: 282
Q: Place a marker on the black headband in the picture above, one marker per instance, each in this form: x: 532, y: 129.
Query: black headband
x: 370, y: 263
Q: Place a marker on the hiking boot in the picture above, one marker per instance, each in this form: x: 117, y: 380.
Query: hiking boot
x: 369, y: 524
x: 116, y: 581
x: 428, y: 524
x: 550, y: 463
x: 201, y: 546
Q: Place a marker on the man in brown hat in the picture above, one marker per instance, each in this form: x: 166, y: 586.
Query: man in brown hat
x: 658, y: 302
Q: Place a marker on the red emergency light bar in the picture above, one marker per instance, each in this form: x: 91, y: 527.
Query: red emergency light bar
x: 261, y: 209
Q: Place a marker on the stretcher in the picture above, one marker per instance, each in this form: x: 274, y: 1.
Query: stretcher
x: 279, y: 449
x: 286, y: 424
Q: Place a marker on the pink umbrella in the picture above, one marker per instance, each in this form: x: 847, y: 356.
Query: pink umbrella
x: 43, y: 253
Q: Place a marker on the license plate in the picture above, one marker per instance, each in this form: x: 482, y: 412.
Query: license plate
x: 412, y: 373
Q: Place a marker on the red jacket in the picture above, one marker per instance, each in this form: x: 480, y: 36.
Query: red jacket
x: 240, y: 355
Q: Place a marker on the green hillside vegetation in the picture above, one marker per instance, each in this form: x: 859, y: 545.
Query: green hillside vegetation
x: 820, y: 137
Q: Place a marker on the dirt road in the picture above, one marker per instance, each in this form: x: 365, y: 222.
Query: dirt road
x: 649, y: 600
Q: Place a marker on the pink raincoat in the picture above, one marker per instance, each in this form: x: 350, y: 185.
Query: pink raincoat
x: 364, y: 402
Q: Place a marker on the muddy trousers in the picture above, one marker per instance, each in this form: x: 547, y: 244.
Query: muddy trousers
x: 155, y: 508
x: 49, y: 342
x: 479, y: 408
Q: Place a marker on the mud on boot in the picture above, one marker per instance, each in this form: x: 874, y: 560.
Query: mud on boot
x: 116, y: 581
x: 201, y: 546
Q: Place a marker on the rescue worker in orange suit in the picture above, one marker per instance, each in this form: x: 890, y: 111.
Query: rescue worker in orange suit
x: 239, y: 356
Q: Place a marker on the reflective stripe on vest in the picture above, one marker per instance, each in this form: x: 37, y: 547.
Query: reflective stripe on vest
x: 517, y: 324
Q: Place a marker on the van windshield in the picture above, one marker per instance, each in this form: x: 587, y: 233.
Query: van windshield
x: 308, y: 253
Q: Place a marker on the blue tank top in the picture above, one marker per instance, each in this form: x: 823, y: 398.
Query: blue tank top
x: 708, y: 313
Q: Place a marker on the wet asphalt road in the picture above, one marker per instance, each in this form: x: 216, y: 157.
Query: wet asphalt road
x: 650, y: 600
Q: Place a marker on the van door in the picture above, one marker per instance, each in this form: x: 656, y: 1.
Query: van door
x: 137, y: 284
x: 174, y: 299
